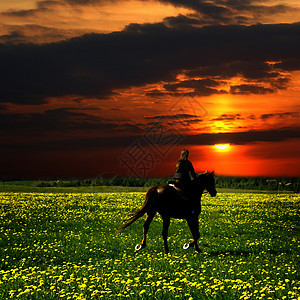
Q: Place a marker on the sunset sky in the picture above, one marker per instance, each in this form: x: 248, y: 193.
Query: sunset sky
x: 93, y: 88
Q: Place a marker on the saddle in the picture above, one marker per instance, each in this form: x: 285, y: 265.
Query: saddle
x: 180, y: 192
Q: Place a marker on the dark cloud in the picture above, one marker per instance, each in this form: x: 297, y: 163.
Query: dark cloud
x: 49, y: 6
x: 280, y: 115
x: 251, y: 6
x: 195, y: 84
x: 238, y: 138
x: 215, y: 12
x: 227, y: 117
x: 292, y: 64
x: 181, y: 21
x: 96, y: 65
x: 171, y: 117
x: 60, y: 120
x: 227, y: 11
x: 246, y: 89
x: 233, y: 117
x: 19, y: 13
x: 41, y: 6
x: 88, y: 2
x: 257, y: 72
x: 13, y: 36
x: 156, y: 93
x: 170, y: 120
x: 206, y: 8
x: 201, y: 87
x: 265, y: 117
x: 20, y: 34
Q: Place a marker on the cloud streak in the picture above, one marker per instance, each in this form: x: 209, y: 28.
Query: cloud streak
x: 228, y: 12
x: 240, y: 138
x: 237, y: 138
x: 61, y: 120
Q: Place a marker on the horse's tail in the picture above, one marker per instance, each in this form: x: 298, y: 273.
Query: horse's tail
x: 140, y: 212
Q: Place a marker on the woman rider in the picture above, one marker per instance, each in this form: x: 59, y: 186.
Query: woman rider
x: 184, y: 171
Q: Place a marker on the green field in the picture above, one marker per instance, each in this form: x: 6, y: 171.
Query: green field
x: 66, y: 246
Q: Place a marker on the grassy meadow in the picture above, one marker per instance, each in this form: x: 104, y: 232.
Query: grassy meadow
x: 66, y: 246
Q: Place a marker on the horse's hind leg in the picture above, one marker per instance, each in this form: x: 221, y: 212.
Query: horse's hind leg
x: 150, y: 216
x: 194, y: 227
x: 166, y: 224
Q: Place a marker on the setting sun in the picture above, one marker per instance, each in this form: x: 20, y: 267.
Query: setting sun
x: 222, y: 146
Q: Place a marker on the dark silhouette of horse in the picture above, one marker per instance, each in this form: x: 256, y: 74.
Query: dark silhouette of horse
x: 170, y: 202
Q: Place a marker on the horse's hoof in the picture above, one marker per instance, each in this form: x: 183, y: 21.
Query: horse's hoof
x: 186, y: 246
x: 138, y: 247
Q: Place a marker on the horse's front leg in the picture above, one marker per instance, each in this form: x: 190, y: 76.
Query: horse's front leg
x: 166, y: 224
x: 194, y: 228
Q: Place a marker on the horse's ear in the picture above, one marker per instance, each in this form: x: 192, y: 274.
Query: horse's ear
x: 205, y: 172
x: 213, y: 173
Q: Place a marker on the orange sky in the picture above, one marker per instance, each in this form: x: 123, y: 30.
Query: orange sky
x: 72, y: 18
x: 88, y: 83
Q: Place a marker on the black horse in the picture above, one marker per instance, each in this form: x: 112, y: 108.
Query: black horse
x: 170, y: 202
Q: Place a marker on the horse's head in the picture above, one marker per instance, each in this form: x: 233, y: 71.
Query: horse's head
x: 207, y: 182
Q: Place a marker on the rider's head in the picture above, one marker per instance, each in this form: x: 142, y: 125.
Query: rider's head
x: 184, y: 154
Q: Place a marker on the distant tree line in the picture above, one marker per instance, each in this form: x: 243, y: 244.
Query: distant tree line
x: 251, y: 183
x: 114, y: 181
x: 259, y: 183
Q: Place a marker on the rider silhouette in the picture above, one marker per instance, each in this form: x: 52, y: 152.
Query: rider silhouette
x: 184, y: 171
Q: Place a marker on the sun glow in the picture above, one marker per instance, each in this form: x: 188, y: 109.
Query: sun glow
x: 222, y: 146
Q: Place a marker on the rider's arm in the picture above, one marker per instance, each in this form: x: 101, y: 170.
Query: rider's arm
x: 192, y: 171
